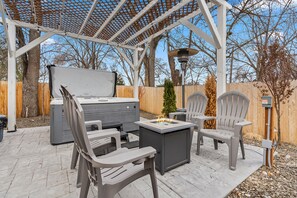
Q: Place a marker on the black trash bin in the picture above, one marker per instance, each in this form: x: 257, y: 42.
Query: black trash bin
x: 3, y: 124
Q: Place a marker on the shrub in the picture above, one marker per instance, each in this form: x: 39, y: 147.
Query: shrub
x: 211, y: 93
x: 169, y: 102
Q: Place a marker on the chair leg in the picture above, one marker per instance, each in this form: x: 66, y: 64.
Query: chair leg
x: 201, y: 141
x: 74, y: 157
x: 242, y: 149
x: 85, y: 183
x: 216, y: 146
x: 234, y: 152
x: 154, y: 179
x: 79, y: 172
x: 199, y: 137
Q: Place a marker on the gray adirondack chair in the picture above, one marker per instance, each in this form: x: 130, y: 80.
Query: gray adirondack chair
x: 196, y: 105
x: 230, y: 119
x: 102, y: 141
x: 112, y: 172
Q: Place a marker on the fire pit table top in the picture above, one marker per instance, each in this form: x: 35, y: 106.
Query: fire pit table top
x: 164, y: 125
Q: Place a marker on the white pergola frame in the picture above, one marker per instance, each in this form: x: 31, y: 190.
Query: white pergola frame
x: 216, y: 39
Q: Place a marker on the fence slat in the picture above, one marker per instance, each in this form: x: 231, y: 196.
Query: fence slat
x: 151, y: 100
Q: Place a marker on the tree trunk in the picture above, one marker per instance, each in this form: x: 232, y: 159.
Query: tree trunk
x: 146, y: 71
x: 30, y: 79
x: 278, y: 124
x: 149, y: 63
x: 176, y: 78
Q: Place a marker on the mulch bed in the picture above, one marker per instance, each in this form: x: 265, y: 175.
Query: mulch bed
x: 279, y: 181
x: 33, y: 122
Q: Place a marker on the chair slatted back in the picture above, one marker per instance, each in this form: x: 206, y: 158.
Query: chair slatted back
x: 232, y: 108
x: 87, y: 151
x: 196, y: 105
x: 67, y: 106
x: 76, y: 123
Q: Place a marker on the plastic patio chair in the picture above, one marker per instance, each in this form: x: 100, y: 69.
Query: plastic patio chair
x: 196, y: 105
x: 102, y: 141
x: 111, y: 172
x: 232, y: 110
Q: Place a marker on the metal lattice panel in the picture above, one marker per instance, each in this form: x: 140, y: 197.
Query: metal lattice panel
x: 128, y: 11
x: 77, y: 16
x: 100, y: 14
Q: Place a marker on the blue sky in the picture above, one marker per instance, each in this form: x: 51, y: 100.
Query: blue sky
x: 162, y: 48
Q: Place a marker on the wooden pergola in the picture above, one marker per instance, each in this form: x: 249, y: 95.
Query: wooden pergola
x: 129, y: 24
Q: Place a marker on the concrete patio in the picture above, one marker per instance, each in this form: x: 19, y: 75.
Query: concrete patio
x: 31, y: 167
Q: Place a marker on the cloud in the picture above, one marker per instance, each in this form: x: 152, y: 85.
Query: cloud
x: 49, y: 41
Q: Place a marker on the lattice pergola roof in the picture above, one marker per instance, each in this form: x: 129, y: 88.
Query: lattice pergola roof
x: 110, y: 20
x: 119, y: 23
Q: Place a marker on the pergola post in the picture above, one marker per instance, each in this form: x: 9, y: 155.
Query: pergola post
x: 135, y: 68
x: 11, y: 78
x: 221, y: 52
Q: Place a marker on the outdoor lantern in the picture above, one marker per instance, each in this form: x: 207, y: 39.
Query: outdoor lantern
x: 183, y: 56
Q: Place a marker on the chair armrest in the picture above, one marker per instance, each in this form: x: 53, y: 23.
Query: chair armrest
x: 238, y: 126
x: 204, y: 118
x: 124, y: 158
x: 171, y: 115
x: 243, y: 123
x: 199, y: 120
x: 101, y: 134
x: 94, y: 122
x: 98, y: 131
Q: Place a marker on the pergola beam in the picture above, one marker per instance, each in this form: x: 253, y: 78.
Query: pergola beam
x: 33, y: 44
x: 34, y: 11
x: 142, y: 56
x: 159, y: 19
x: 11, y: 79
x: 199, y: 32
x: 3, y: 21
x: 73, y: 35
x: 61, y: 15
x: 211, y: 24
x: 88, y: 16
x: 221, y: 52
x: 110, y: 17
x: 189, y: 16
x: 125, y: 57
x: 135, y: 18
x: 136, y: 73
x: 222, y: 3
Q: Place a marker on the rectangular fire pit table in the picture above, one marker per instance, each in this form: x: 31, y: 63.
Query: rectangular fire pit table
x: 171, y: 139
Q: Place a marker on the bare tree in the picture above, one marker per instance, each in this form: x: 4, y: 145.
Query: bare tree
x: 149, y: 62
x: 30, y: 62
x: 81, y: 53
x: 251, y: 25
x: 262, y: 23
x: 277, y: 77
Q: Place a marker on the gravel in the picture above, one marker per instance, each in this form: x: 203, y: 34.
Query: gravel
x: 278, y: 181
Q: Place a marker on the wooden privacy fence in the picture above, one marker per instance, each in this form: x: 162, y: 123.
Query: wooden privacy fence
x: 151, y: 100
x: 43, y: 96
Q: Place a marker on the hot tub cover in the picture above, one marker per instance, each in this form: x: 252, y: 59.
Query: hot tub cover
x: 84, y: 83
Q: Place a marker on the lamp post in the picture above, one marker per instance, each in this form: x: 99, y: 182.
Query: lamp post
x: 183, y: 56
